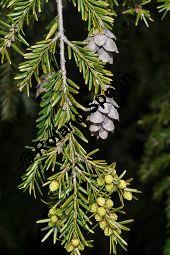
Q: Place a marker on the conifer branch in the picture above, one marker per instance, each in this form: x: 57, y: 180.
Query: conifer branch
x: 31, y: 65
x: 164, y: 6
x: 80, y: 188
x: 18, y: 15
x: 93, y: 69
x: 61, y: 34
x: 97, y: 13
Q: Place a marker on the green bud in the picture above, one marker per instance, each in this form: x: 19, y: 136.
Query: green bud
x: 94, y: 208
x: 54, y: 185
x: 100, y: 201
x: 109, y: 203
x: 53, y: 211
x: 108, y: 179
x: 127, y: 195
x: 111, y: 187
x: 81, y: 247
x: 98, y: 217
x: 108, y: 231
x: 113, y: 216
x: 122, y: 184
x: 103, y: 224
x: 100, y: 182
x: 69, y: 247
x: 101, y: 211
x: 54, y: 219
x: 51, y: 224
x: 75, y: 242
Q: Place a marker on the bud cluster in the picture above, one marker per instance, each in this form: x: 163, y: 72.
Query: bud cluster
x: 74, y: 244
x: 55, y: 217
x: 105, y: 215
x: 112, y: 183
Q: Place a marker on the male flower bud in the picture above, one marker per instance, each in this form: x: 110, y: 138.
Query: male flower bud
x: 75, y: 242
x: 98, y: 217
x: 122, y: 184
x: 127, y: 195
x: 108, y: 179
x: 101, y: 201
x: 69, y: 247
x: 100, y: 182
x: 54, y: 185
x: 103, y: 224
x: 109, y: 203
x: 51, y: 224
x: 113, y: 216
x: 110, y: 187
x: 108, y: 231
x: 93, y: 208
x: 54, y: 219
x: 53, y: 211
x: 101, y: 211
x: 81, y: 247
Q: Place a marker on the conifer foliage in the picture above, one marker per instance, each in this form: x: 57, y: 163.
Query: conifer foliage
x: 80, y: 191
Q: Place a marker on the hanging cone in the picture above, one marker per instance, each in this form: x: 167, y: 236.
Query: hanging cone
x: 101, y: 121
x: 103, y: 44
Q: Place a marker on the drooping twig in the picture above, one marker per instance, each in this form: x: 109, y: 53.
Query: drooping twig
x: 61, y: 34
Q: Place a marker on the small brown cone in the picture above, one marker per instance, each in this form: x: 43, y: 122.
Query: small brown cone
x: 101, y: 121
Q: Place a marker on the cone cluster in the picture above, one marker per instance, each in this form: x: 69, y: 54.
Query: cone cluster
x: 101, y: 121
x: 103, y: 44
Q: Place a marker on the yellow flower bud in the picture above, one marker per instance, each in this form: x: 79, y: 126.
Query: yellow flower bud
x: 100, y: 182
x: 54, y: 219
x: 113, y: 173
x: 93, y: 208
x: 108, y: 179
x: 122, y: 184
x: 53, y: 211
x: 81, y: 247
x: 103, y: 224
x: 110, y: 187
x: 51, y: 224
x: 108, y: 231
x: 75, y: 242
x: 127, y: 195
x: 100, y: 201
x: 101, y: 211
x: 109, y: 203
x: 69, y: 247
x: 98, y: 217
x: 54, y: 185
x: 113, y: 216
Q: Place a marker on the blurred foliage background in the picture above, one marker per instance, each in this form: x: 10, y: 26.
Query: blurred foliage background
x: 140, y: 144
